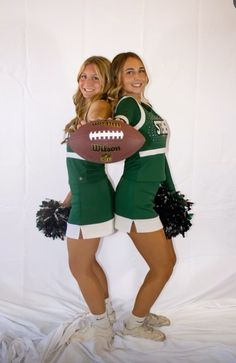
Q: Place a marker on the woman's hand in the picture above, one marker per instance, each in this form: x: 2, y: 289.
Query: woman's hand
x: 81, y: 123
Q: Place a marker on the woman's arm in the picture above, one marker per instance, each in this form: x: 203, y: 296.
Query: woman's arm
x: 67, y: 201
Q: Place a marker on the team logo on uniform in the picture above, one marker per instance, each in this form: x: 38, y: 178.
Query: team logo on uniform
x: 161, y: 126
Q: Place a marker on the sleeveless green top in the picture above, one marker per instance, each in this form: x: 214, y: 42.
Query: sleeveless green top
x: 149, y: 164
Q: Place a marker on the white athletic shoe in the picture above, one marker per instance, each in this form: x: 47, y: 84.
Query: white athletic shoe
x: 92, y: 331
x: 146, y: 332
x: 156, y: 320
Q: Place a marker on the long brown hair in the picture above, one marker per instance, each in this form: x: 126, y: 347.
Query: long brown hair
x: 116, y: 91
x: 102, y: 66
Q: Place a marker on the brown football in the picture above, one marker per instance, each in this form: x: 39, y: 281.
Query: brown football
x: 106, y: 141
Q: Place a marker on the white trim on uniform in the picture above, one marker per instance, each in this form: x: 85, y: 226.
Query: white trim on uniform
x: 73, y: 155
x: 142, y: 225
x: 90, y: 230
x: 124, y: 118
x: 142, y: 118
x: 152, y: 152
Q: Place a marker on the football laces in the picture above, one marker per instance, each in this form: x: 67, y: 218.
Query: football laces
x: 106, y: 135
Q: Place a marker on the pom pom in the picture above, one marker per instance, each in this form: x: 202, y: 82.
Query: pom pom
x: 173, y: 209
x: 52, y: 218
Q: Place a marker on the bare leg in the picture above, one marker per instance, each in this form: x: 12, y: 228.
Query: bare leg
x: 97, y: 269
x: 172, y: 251
x: 84, y: 268
x: 159, y: 254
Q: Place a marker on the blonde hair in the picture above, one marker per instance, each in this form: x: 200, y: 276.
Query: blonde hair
x: 116, y: 91
x: 102, y: 66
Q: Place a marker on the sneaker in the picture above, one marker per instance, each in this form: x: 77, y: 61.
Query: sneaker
x: 146, y: 332
x: 112, y: 317
x: 156, y: 320
x: 92, y: 331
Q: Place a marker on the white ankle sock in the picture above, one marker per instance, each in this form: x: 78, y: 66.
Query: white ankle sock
x: 109, y: 307
x: 134, y: 321
x: 101, y: 320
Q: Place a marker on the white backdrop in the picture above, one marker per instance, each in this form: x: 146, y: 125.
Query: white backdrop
x: 189, y: 48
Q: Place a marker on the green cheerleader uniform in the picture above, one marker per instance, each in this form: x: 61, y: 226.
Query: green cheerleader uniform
x: 144, y: 171
x: 92, y: 201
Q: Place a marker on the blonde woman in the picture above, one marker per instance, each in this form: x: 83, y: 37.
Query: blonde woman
x: 91, y: 199
x: 134, y: 203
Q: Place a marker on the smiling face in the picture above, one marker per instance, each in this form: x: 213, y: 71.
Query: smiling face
x: 90, y: 81
x: 133, y: 78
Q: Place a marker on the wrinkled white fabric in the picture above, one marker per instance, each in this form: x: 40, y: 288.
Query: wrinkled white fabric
x: 18, y: 341
x: 197, y: 332
x: 60, y: 337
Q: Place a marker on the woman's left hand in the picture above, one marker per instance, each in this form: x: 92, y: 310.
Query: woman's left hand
x: 81, y: 123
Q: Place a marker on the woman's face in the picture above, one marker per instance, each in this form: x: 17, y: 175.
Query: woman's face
x: 90, y: 82
x: 133, y: 78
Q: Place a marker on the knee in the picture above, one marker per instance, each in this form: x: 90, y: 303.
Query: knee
x: 164, y: 270
x: 171, y: 265
x: 173, y: 261
x: 77, y: 268
x: 167, y: 270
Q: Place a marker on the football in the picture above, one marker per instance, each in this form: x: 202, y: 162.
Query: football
x: 106, y: 141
